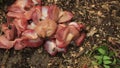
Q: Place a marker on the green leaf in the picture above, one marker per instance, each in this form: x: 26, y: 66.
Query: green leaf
x: 101, y: 51
x: 94, y: 63
x: 100, y: 61
x: 106, y: 58
x: 98, y: 57
x: 114, y: 61
x: 111, y: 53
x: 107, y: 62
x: 118, y: 60
x: 106, y: 66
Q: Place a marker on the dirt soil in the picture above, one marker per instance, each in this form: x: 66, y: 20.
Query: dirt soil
x: 102, y: 20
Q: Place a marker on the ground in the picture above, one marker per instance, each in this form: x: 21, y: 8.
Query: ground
x: 102, y: 21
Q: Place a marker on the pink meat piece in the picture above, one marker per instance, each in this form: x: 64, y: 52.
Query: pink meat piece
x: 61, y: 32
x: 22, y: 9
x: 50, y: 12
x: 61, y: 35
x: 23, y: 34
x: 29, y: 38
x: 36, y: 16
x: 9, y: 31
x: 65, y: 16
x: 51, y: 48
x: 20, y: 24
x: 76, y: 25
x: 18, y: 6
x: 37, y: 2
x: 31, y: 26
x: 19, y: 43
x: 67, y: 33
x: 15, y: 14
x: 23, y: 42
x: 53, y: 12
x: 73, y: 34
x: 22, y: 5
x: 15, y: 9
x: 44, y: 12
x: 80, y: 39
x: 34, y: 42
x: 46, y: 28
x: 28, y: 14
x: 30, y: 34
x: 5, y: 43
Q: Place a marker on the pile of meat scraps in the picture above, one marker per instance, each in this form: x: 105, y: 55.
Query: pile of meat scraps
x: 30, y: 25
